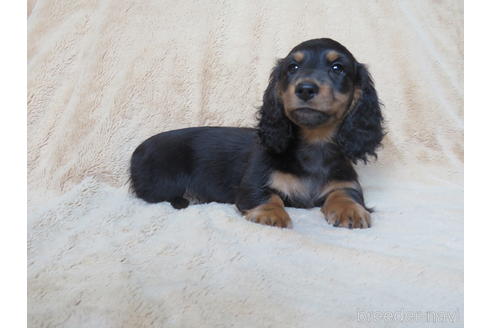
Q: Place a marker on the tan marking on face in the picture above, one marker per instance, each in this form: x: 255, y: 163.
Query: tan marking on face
x: 288, y: 184
x: 298, y: 56
x: 333, y: 103
x: 328, y: 101
x: 332, y: 55
x: 341, y: 107
x: 342, y: 211
x: 289, y: 98
x: 335, y: 184
x: 270, y: 213
x: 355, y: 98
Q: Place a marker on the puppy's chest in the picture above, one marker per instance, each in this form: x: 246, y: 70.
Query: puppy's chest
x: 307, y: 188
x: 304, y: 192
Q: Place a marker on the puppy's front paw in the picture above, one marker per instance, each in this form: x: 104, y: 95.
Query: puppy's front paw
x: 348, y: 214
x: 270, y: 214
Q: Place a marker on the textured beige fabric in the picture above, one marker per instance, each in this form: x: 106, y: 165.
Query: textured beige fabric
x: 105, y: 75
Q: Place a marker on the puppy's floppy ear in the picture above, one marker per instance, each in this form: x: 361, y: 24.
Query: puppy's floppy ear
x: 274, y: 128
x: 361, y: 132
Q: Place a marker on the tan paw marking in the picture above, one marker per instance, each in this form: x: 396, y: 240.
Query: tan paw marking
x: 271, y: 213
x: 342, y: 211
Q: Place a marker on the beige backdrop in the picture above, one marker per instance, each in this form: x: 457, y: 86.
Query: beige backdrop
x: 105, y: 75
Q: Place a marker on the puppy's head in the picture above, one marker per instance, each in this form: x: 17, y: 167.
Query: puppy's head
x: 321, y: 93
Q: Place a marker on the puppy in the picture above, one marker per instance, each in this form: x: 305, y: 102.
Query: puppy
x: 320, y: 115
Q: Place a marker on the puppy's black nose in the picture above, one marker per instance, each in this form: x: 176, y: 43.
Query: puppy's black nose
x: 306, y: 90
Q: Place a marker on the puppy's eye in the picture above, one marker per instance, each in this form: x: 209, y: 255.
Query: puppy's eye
x: 337, y: 68
x: 292, y: 68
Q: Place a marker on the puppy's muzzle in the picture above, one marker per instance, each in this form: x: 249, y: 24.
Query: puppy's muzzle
x: 309, y: 117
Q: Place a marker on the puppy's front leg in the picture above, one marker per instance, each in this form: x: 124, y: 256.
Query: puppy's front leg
x: 255, y: 200
x: 344, y: 206
x: 272, y: 212
x: 262, y: 206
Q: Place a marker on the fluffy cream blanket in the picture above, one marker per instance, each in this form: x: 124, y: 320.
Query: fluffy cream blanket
x: 105, y: 75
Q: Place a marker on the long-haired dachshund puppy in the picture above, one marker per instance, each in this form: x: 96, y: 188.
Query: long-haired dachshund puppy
x: 320, y: 114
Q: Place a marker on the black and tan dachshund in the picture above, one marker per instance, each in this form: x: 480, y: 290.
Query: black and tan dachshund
x: 320, y: 115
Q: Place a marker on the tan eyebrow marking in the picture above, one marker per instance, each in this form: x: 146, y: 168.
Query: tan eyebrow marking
x: 332, y: 55
x: 298, y: 56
